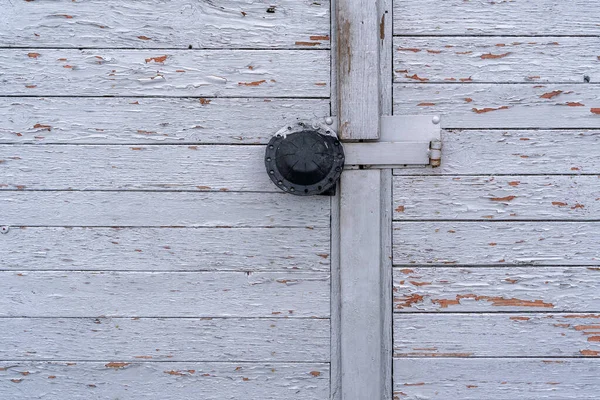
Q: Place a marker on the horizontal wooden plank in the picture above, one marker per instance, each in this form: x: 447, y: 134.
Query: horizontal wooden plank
x: 498, y: 243
x: 124, y: 167
x: 174, y: 339
x: 494, y: 59
x: 496, y: 335
x: 457, y: 17
x: 495, y: 379
x: 160, y: 294
x: 464, y: 289
x: 502, y: 106
x: 155, y: 209
x: 101, y: 72
x: 497, y: 197
x: 165, y: 249
x: 171, y: 23
x: 150, y: 120
x: 164, y: 380
x: 479, y: 152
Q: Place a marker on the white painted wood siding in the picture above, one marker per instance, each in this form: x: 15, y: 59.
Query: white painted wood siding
x: 148, y: 255
x: 495, y: 251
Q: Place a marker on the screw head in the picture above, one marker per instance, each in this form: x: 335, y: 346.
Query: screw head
x: 436, y: 119
x: 329, y: 121
x: 4, y: 229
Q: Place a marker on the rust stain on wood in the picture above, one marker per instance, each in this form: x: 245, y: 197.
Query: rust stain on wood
x: 409, y: 49
x: 507, y: 198
x: 559, y: 204
x: 382, y: 28
x: 496, y: 301
x: 472, y: 386
x: 594, y: 339
x: 41, y: 126
x: 256, y: 83
x: 595, y: 110
x: 550, y: 95
x: 493, y: 56
x: 468, y: 100
x: 520, y: 318
x: 204, y: 101
x: 144, y: 37
x: 319, y: 37
x: 488, y: 109
x: 415, y: 384
x: 466, y: 79
x: 33, y: 55
x: 426, y: 104
x: 160, y: 59
x: 589, y: 353
x: 416, y: 77
x: 575, y: 104
x: 434, y: 51
x: 420, y: 283
x: 315, y: 373
x: 308, y: 43
x: 408, y: 301
x: 400, y: 209
x: 116, y: 365
x: 514, y: 183
x: 407, y: 271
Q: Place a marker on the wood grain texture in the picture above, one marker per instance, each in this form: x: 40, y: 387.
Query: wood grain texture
x: 171, y: 339
x: 123, y: 167
x: 468, y: 289
x: 150, y: 120
x: 502, y: 106
x: 497, y: 243
x: 495, y: 59
x: 456, y: 17
x: 496, y: 335
x: 165, y: 249
x: 156, y: 209
x: 241, y: 73
x: 164, y: 380
x: 160, y: 294
x: 358, y: 68
x: 497, y: 197
x: 493, y: 379
x: 166, y: 24
x: 493, y: 152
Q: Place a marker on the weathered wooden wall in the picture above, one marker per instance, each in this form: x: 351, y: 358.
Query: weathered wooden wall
x: 148, y: 254
x: 496, y: 253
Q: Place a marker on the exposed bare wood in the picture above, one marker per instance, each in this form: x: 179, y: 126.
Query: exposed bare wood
x: 493, y: 152
x: 496, y: 197
x: 150, y: 120
x: 160, y: 294
x: 495, y: 59
x: 170, y: 24
x: 358, y: 69
x: 495, y: 379
x: 502, y: 106
x: 498, y: 243
x: 471, y: 289
x: 165, y: 249
x: 156, y: 209
x: 241, y: 73
x: 165, y: 380
x: 457, y: 17
x: 496, y: 335
x: 170, y: 339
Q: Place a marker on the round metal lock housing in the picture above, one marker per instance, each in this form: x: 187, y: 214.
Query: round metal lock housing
x: 304, y: 161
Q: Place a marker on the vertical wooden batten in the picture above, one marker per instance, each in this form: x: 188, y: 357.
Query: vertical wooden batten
x: 357, y: 47
x: 361, y: 212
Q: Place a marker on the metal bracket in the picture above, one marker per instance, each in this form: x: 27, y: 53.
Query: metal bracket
x: 404, y: 140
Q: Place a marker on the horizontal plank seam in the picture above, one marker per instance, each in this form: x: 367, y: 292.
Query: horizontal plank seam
x: 183, y: 48
x: 207, y: 317
x: 498, y: 357
x: 495, y: 220
x: 174, y: 226
x: 397, y: 82
x: 10, y: 96
x: 167, y: 362
x: 558, y: 312
x: 502, y: 265
x: 433, y: 35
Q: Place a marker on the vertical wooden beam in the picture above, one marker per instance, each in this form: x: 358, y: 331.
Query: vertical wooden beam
x: 357, y: 45
x: 363, y: 310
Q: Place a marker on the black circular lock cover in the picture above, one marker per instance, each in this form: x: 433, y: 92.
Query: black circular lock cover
x: 304, y: 163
